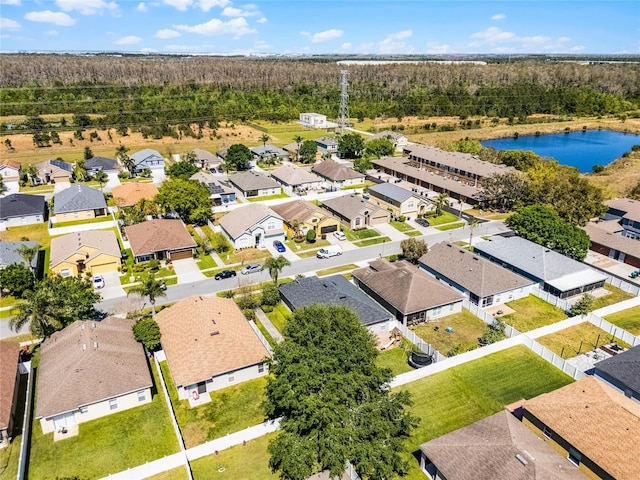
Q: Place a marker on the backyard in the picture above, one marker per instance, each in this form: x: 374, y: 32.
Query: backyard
x: 615, y: 296
x: 394, y: 359
x: 532, y: 312
x: 628, y: 319
x: 279, y: 316
x: 467, y: 328
x: 576, y: 340
x: 36, y: 233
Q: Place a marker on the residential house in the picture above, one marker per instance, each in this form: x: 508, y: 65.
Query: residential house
x: 254, y: 184
x: 622, y: 372
x: 206, y: 159
x: 9, y: 255
x: 626, y: 212
x: 593, y: 425
x: 93, y: 251
x: 209, y: 345
x: 9, y: 382
x: 269, y: 152
x: 10, y: 173
x: 356, y: 212
x: 219, y: 192
x: 484, y: 283
x: 88, y: 370
x: 54, y: 171
x: 327, y: 145
x: 160, y: 239
x: 399, y: 201
x: 296, y: 179
x: 614, y: 245
x: 555, y: 273
x: 221, y: 154
x: 131, y: 193
x: 291, y: 149
x: 96, y: 164
x: 79, y: 202
x: 336, y: 290
x: 398, y: 140
x: 407, y: 292
x: 19, y: 209
x: 147, y: 158
x: 337, y: 175
x: 254, y: 225
x: 316, y: 120
x: 498, y: 447
x: 309, y: 216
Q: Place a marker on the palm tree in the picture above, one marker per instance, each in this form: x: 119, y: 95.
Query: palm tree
x: 275, y: 266
x: 151, y: 288
x: 264, y: 139
x: 80, y: 170
x: 42, y: 310
x: 442, y: 200
x: 473, y: 224
x: 298, y: 140
x: 27, y: 253
x: 126, y: 161
x: 102, y: 178
x: 296, y: 226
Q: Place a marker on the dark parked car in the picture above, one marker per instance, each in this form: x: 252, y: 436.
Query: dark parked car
x: 423, y: 222
x: 279, y: 246
x: 225, y: 274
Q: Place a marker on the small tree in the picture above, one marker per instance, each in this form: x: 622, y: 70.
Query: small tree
x: 101, y: 177
x: 150, y: 288
x: 413, y: 249
x: 494, y: 333
x: 182, y: 170
x: 441, y: 201
x: 264, y: 138
x: 27, y: 253
x: 16, y: 279
x: 32, y: 172
x: 147, y: 332
x: 307, y: 152
x: 270, y: 294
x: 311, y: 236
x: 87, y: 153
x: 275, y: 266
x: 582, y: 306
x: 298, y: 140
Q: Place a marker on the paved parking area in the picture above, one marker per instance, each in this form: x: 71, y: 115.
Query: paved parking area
x: 187, y: 271
x: 112, y: 287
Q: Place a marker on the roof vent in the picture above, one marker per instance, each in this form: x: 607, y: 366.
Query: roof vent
x: 521, y: 459
x: 213, y: 321
x: 95, y: 344
x: 93, y: 324
x: 84, y: 347
x: 82, y: 326
x: 215, y: 332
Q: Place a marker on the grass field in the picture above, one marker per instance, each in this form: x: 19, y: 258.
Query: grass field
x: 402, y: 226
x: 467, y: 328
x: 36, y: 233
x: 576, y: 340
x: 615, y: 296
x: 338, y: 269
x: 268, y: 197
x: 628, y: 319
x: 465, y: 394
x: 532, y: 312
x: 106, y: 445
x: 230, y: 410
x: 249, y: 255
x: 445, y: 217
x: 394, y: 359
x: 371, y: 241
x: 279, y: 316
x: 450, y: 226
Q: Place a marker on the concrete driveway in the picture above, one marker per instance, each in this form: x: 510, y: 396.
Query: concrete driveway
x: 112, y: 287
x: 187, y: 271
x: 158, y: 176
x: 113, y: 181
x: 59, y: 186
x: 388, y: 231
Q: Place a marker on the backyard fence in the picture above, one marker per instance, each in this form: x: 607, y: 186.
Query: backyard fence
x: 417, y: 341
x: 552, y: 299
x: 624, y: 285
x: 613, y: 330
x: 26, y: 421
x: 553, y: 358
x: 488, y: 318
x: 262, y: 338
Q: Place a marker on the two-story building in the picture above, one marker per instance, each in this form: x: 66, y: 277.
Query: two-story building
x: 10, y: 173
x: 306, y: 216
x: 327, y: 145
x: 356, y: 212
x: 399, y: 201
x: 252, y: 226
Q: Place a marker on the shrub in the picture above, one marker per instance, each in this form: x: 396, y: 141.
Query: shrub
x: 324, y: 236
x: 153, y: 265
x: 123, y: 175
x: 270, y: 295
x: 249, y: 313
x: 248, y: 302
x: 402, y: 218
x: 311, y: 236
x: 582, y: 306
x: 267, y: 308
x: 227, y: 294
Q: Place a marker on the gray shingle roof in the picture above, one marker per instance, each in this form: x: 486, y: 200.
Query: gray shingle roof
x: 390, y: 190
x: 456, y: 160
x: 349, y: 206
x: 334, y: 290
x: 143, y: 156
x: 78, y: 198
x: 21, y: 205
x: 244, y: 219
x: 247, y: 181
x: 291, y: 175
x: 624, y: 367
x: 9, y: 253
x: 269, y: 150
x: 101, y: 163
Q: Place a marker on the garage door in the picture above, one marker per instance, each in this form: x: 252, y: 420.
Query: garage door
x: 180, y: 255
x: 329, y: 229
x: 105, y: 267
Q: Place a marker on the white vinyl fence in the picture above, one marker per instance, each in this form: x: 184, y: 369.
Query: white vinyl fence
x: 552, y: 358
x: 552, y: 299
x: 262, y: 338
x: 417, y: 341
x: 613, y: 330
x: 488, y: 318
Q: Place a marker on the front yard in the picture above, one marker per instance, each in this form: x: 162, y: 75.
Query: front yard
x: 268, y: 197
x: 532, y: 312
x: 334, y: 270
x: 628, y: 320
x: 362, y: 234
x: 246, y: 256
x: 444, y: 217
x: 576, y: 340
x: 467, y: 328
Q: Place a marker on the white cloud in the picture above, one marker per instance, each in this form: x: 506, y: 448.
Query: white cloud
x: 86, y: 7
x: 494, y: 35
x: 51, y: 32
x: 346, y: 46
x: 262, y: 20
x: 166, y: 33
x: 393, y: 43
x: 236, y: 27
x: 8, y: 24
x: 142, y: 7
x: 323, y: 36
x: 148, y: 50
x: 206, y: 5
x: 181, y: 5
x: 437, y: 48
x: 499, y: 16
x: 130, y: 40
x: 47, y: 16
x: 498, y: 41
x: 249, y: 10
x: 10, y: 2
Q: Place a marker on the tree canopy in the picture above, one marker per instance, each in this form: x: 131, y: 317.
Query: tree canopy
x: 188, y: 198
x: 238, y: 157
x: 147, y: 332
x: 16, y: 279
x: 350, y: 145
x: 333, y: 399
x: 379, y: 147
x: 182, y: 170
x: 307, y: 151
x: 413, y: 249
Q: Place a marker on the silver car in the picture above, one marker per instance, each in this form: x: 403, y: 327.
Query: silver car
x: 253, y: 268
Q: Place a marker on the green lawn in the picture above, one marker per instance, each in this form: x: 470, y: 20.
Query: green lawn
x: 268, y: 197
x: 402, y: 226
x: 230, y: 410
x: 36, y: 233
x: 394, y: 359
x: 470, y: 392
x: 308, y: 253
x: 104, y: 218
x: 246, y: 462
x: 371, y: 241
x: 163, y: 273
x: 615, y: 296
x: 8, y: 313
x: 248, y: 255
x: 9, y: 300
x: 338, y: 269
x: 413, y: 233
x: 532, y: 312
x: 279, y: 316
x: 628, y: 320
x: 295, y: 246
x: 576, y: 340
x: 106, y: 445
x: 467, y: 328
x: 37, y: 190
x: 206, y: 261
x: 179, y: 473
x: 359, y: 234
x: 445, y: 217
x: 451, y: 226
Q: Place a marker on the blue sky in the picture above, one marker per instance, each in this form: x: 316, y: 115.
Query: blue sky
x: 321, y: 26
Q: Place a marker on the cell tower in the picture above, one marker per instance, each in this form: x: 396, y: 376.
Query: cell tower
x: 343, y: 119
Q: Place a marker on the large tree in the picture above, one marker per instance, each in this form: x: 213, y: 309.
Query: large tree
x: 182, y: 170
x: 147, y: 332
x: 16, y: 279
x: 334, y: 400
x: 307, y: 152
x: 275, y: 265
x: 238, y: 157
x: 504, y: 191
x: 150, y: 288
x: 350, y: 145
x: 379, y: 147
x: 188, y: 198
x: 413, y: 249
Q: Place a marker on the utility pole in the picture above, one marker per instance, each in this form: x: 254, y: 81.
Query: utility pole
x: 344, y: 101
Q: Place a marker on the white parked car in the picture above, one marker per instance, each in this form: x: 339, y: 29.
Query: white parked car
x: 340, y: 236
x: 98, y: 281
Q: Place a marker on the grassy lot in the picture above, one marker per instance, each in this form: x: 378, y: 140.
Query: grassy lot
x: 532, y: 312
x: 489, y: 214
x: 246, y: 462
x: 163, y: 273
x: 249, y: 255
x: 295, y: 246
x: 36, y: 233
x: 104, y: 218
x: 413, y: 233
x: 628, y: 319
x: 445, y: 217
x: 371, y: 241
x: 359, y: 234
x: 402, y: 226
x: 106, y: 445
x: 394, y: 359
x: 451, y: 226
x: 465, y: 394
x: 230, y: 410
x: 467, y: 328
x: 615, y: 296
x: 338, y: 269
x: 179, y: 473
x: 8, y: 313
x: 576, y: 340
x: 268, y: 197
x: 279, y: 316
x: 9, y: 300
x: 206, y: 261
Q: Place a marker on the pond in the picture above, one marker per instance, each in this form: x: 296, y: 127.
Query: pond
x: 582, y: 149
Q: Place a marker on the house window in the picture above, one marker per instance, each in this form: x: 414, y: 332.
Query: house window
x: 142, y: 396
x: 261, y: 368
x: 271, y: 226
x: 574, y: 456
x: 232, y: 377
x: 113, y: 404
x: 410, y: 205
x: 76, y: 215
x: 357, y: 223
x: 84, y: 410
x: 88, y: 214
x: 546, y: 432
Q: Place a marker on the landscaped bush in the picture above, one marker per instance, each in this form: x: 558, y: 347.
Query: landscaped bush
x: 402, y: 218
x: 249, y: 313
x: 227, y: 294
x: 311, y: 236
x: 248, y: 302
x: 267, y: 308
x: 153, y: 265
x: 270, y: 295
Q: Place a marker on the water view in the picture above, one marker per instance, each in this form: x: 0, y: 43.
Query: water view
x: 582, y: 149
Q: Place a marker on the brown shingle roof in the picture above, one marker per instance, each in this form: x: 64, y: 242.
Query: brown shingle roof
x: 63, y: 247
x: 241, y: 220
x: 350, y: 206
x: 407, y: 288
x: 456, y: 160
x: 335, y: 171
x: 474, y: 273
x: 487, y: 449
x: 157, y: 235
x: 294, y: 176
x: 626, y: 245
x: 10, y: 163
x: 629, y: 206
x: 300, y: 210
x: 194, y: 351
x: 9, y: 352
x: 597, y: 420
x: 132, y: 192
x: 89, y: 362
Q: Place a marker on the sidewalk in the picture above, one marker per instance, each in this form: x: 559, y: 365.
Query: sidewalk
x: 264, y: 320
